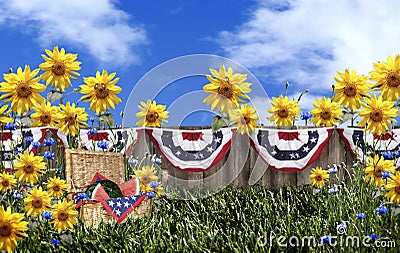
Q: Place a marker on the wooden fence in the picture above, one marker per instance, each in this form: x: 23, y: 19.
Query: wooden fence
x: 242, y: 167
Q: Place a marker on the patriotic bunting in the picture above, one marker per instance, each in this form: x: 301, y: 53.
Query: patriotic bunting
x: 118, y: 139
x: 192, y: 150
x: 290, y: 150
x: 365, y: 143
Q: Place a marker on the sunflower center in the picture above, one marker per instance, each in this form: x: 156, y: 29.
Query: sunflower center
x: 246, y: 119
x: 152, y: 117
x: 5, y: 229
x: 70, y: 119
x: 59, y: 68
x: 28, y: 168
x: 145, y: 180
x: 56, y: 188
x: 62, y: 215
x: 5, y: 183
x: 37, y: 202
x: 326, y: 114
x: 350, y: 90
x: 393, y: 79
x: 226, y: 89
x: 101, y: 90
x: 376, y: 115
x: 283, y: 112
x: 23, y: 90
x: 318, y: 178
x: 45, y: 118
x: 397, y: 189
x: 378, y: 172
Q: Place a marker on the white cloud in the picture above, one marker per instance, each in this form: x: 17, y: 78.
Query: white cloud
x: 307, y: 41
x: 97, y: 25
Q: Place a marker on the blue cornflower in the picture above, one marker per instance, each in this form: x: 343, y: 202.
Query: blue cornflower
x: 153, y: 184
x: 59, y: 170
x: 386, y: 174
x: 388, y: 155
x: 80, y: 196
x: 374, y: 236
x: 16, y: 195
x: 18, y: 150
x: 151, y: 195
x: 325, y: 239
x: 382, y: 210
x: 36, y: 144
x: 360, y: 216
x: 102, y: 144
x: 9, y: 126
x: 49, y: 155
x: 91, y: 119
x: 29, y: 139
x: 49, y: 142
x: 93, y: 131
x: 305, y: 115
x: 332, y: 170
x: 47, y: 215
x: 334, y: 189
x: 132, y: 161
x: 55, y: 241
x: 156, y: 160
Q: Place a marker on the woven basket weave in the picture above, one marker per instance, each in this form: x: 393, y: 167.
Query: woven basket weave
x: 80, y: 168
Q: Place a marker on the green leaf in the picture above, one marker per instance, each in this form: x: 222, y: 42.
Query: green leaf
x: 107, y: 119
x: 53, y: 95
x: 219, y: 122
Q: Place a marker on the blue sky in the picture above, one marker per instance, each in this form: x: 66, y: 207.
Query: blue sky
x: 304, y: 42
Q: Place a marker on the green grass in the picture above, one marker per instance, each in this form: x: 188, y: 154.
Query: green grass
x: 236, y: 220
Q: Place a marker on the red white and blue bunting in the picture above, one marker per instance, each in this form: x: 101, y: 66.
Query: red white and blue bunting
x: 118, y: 140
x: 192, y: 150
x: 290, y: 150
x: 366, y: 143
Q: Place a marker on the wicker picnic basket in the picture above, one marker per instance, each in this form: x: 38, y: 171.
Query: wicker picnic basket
x: 80, y: 168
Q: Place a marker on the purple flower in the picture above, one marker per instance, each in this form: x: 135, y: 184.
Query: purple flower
x: 360, y: 216
x: 55, y: 241
x: 153, y: 184
x: 10, y: 126
x: 93, y: 131
x: 36, y: 144
x: 305, y: 115
x: 49, y: 155
x: 386, y: 174
x: 49, y: 142
x: 151, y: 195
x: 102, y: 144
x: 47, y: 215
x: 382, y: 210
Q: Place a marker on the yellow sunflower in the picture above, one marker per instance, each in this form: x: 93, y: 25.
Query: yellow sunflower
x: 377, y: 114
x: 101, y: 91
x: 375, y: 166
x: 393, y: 186
x: 159, y: 190
x: 244, y: 118
x: 284, y: 111
x: 57, y: 187
x: 151, y: 114
x: 226, y: 89
x: 29, y: 167
x: 59, y: 68
x: 12, y: 228
x: 72, y: 118
x: 387, y: 77
x: 3, y: 115
x: 7, y: 182
x: 318, y: 177
x: 36, y: 202
x: 351, y: 89
x: 64, y: 215
x: 146, y: 175
x: 326, y: 112
x: 22, y: 89
x: 45, y: 115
